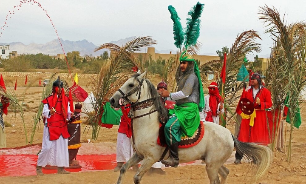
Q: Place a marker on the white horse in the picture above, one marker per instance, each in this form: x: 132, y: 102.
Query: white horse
x: 214, y: 149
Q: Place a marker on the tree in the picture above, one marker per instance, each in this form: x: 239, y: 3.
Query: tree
x: 105, y: 55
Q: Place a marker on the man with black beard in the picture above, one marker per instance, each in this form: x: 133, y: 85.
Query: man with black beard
x: 189, y: 99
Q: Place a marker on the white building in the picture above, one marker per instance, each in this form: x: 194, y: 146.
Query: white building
x: 4, y: 51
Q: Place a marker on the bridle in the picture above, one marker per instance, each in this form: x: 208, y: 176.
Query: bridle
x: 138, y: 105
x: 132, y: 91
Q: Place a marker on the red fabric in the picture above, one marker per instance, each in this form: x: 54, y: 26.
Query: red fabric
x: 214, y: 99
x: 26, y: 79
x: 70, y: 101
x: 78, y: 93
x: 274, y: 119
x: 5, y: 103
x: 107, y: 125
x: 57, y: 123
x: 39, y: 83
x: 125, y: 126
x: 285, y: 111
x: 64, y: 103
x: 259, y: 132
x: 2, y: 85
x: 15, y: 88
x: 209, y: 117
x: 223, y: 71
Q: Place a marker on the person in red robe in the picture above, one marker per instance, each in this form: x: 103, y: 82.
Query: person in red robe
x: 253, y: 126
x: 56, y: 113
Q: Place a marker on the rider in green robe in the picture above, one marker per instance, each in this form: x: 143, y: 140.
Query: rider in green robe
x: 189, y: 98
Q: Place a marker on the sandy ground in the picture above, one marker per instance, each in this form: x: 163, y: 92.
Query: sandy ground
x: 280, y: 171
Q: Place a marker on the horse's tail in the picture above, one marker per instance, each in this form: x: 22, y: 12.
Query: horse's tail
x: 260, y: 155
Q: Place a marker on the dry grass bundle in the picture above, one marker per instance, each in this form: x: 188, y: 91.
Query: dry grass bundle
x: 286, y: 74
x: 114, y: 73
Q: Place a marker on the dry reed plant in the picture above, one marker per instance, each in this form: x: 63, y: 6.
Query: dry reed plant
x: 286, y: 74
x: 114, y: 73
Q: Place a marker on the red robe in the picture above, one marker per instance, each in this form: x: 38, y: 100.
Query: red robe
x: 125, y: 126
x: 57, y: 123
x: 259, y: 132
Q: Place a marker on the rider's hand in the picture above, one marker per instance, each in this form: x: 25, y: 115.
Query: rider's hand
x: 164, y: 93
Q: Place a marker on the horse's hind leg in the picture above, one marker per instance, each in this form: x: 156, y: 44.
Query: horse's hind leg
x: 223, y: 171
x: 145, y: 166
x: 212, y: 172
x: 132, y: 161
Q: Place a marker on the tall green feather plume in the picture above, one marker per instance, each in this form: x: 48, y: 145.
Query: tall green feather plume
x: 177, y: 28
x: 193, y: 25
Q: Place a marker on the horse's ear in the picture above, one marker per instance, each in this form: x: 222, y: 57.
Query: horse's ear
x: 143, y: 75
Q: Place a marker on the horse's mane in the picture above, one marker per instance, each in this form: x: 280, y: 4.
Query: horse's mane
x: 159, y: 105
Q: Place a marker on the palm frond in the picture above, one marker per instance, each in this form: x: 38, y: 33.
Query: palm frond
x: 110, y: 46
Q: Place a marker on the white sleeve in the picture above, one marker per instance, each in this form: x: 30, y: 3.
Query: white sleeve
x: 46, y: 111
x: 69, y: 112
x: 177, y: 95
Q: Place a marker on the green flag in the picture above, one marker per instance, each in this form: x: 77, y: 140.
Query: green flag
x: 243, y: 74
x: 297, y: 119
x: 110, y: 115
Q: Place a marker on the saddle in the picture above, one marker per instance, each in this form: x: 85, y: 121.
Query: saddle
x: 186, y: 142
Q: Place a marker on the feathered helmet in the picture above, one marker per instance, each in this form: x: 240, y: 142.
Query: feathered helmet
x: 188, y: 38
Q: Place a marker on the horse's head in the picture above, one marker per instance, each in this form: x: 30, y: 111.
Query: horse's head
x: 130, y: 91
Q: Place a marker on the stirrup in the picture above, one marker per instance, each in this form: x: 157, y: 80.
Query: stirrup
x: 170, y: 162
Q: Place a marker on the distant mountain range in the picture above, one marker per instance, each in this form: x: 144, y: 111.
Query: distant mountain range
x: 53, y: 47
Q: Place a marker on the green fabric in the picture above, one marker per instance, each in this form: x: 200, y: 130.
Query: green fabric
x: 189, y: 117
x: 110, y: 115
x: 243, y: 74
x: 172, y: 131
x: 245, y: 60
x: 297, y: 119
x: 201, y: 93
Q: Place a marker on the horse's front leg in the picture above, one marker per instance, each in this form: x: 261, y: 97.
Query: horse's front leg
x: 145, y: 166
x: 132, y: 161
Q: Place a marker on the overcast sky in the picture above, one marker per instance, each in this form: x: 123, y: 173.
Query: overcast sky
x: 103, y: 21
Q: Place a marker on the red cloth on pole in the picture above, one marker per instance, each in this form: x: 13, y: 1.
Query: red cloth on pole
x: 26, y: 80
x: 15, y: 85
x: 2, y: 85
x: 39, y: 82
x: 223, y: 72
x: 78, y: 94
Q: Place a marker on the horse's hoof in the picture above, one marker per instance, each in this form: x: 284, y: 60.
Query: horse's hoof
x: 237, y: 161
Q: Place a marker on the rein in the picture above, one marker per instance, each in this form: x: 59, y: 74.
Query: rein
x: 143, y: 105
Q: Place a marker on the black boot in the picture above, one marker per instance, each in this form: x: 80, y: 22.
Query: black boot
x: 173, y: 159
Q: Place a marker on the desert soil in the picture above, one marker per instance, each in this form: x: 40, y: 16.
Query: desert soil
x: 281, y: 171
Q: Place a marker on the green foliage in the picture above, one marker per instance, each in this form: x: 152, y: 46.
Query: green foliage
x: 20, y: 64
x: 105, y: 56
x: 222, y: 51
